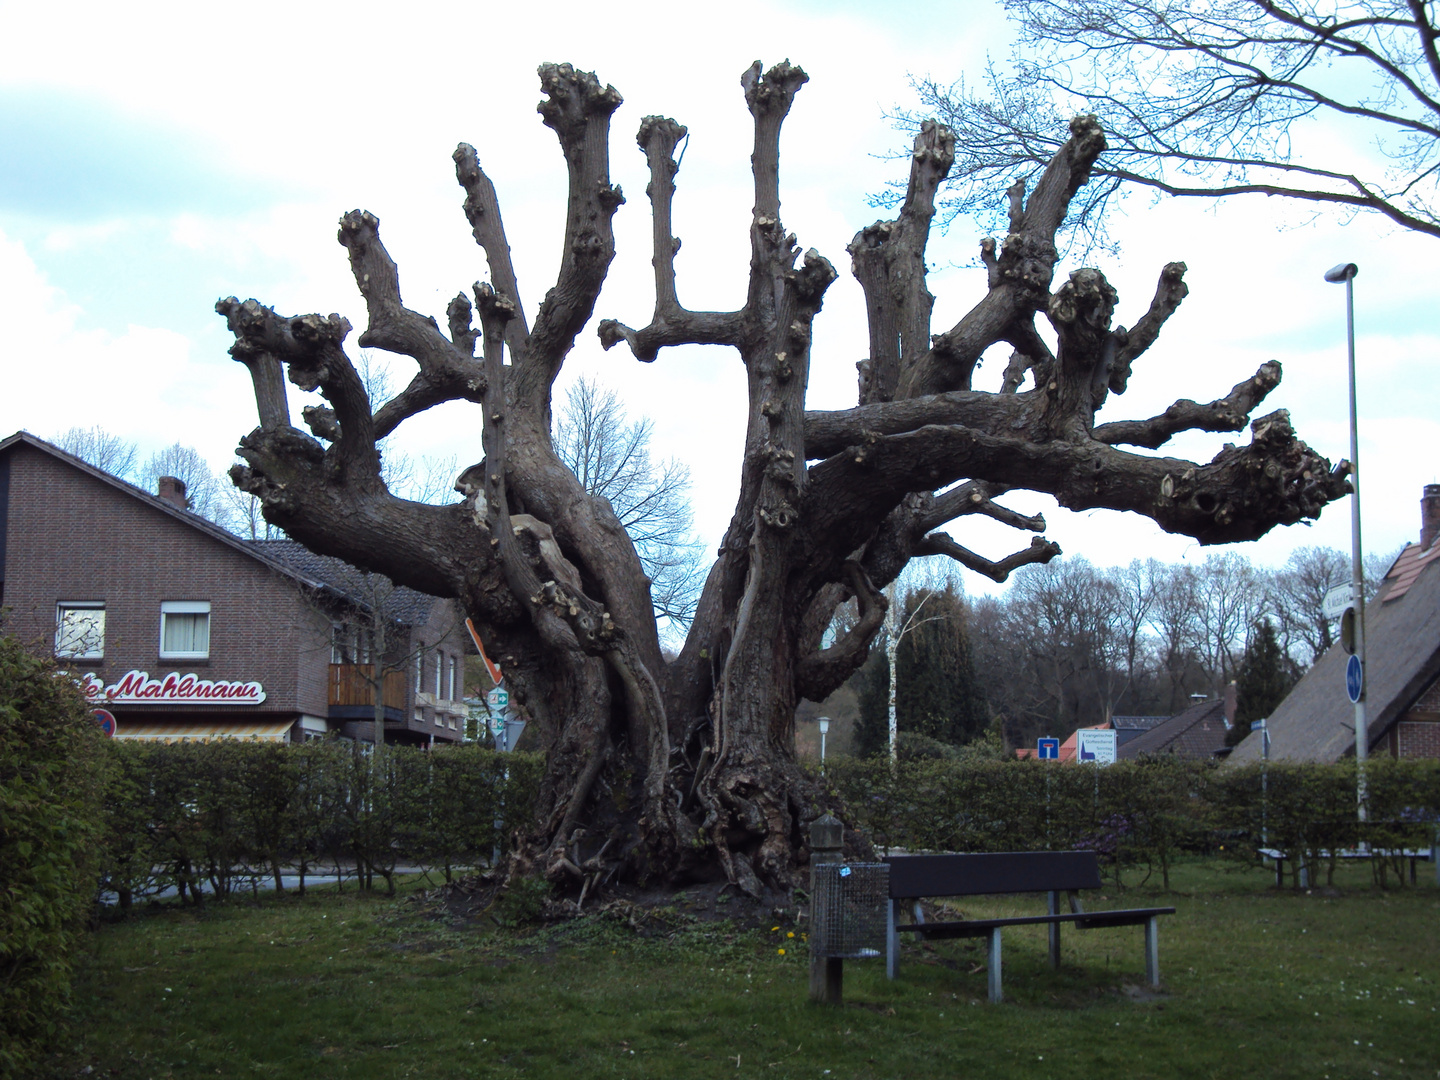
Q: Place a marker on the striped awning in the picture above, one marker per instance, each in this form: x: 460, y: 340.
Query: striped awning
x: 204, y: 731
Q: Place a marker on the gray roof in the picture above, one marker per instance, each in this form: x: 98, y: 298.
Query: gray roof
x: 1402, y: 644
x: 1137, y: 723
x: 367, y: 590
x: 1198, y: 732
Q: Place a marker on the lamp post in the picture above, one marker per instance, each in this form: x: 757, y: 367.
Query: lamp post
x: 1264, y: 729
x: 824, y: 728
x: 1345, y: 273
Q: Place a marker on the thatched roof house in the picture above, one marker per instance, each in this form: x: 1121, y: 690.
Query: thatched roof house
x: 1402, y: 695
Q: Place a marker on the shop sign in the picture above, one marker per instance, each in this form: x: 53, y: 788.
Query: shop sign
x: 138, y: 688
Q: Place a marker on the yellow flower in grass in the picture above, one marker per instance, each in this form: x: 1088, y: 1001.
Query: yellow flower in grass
x: 780, y: 951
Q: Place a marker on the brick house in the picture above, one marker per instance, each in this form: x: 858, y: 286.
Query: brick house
x: 182, y: 630
x: 1402, y: 678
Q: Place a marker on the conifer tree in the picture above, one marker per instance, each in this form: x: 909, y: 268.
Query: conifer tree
x: 1266, y: 676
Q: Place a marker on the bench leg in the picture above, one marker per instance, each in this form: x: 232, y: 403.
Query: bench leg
x: 1054, y: 929
x: 892, y: 941
x: 1152, y: 950
x: 993, y: 969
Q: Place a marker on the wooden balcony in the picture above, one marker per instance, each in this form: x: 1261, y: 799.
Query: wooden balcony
x: 352, y: 685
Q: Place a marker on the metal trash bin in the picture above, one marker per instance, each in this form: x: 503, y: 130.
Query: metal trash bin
x: 848, y: 908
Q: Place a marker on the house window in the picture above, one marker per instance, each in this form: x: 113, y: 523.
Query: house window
x: 437, y: 674
x: 185, y: 630
x: 419, y: 670
x: 80, y: 629
x: 450, y: 679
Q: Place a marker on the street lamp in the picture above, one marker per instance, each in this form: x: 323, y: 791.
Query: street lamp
x: 1345, y: 273
x: 824, y: 728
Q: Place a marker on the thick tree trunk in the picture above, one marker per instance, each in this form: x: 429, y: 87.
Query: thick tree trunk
x: 674, y: 770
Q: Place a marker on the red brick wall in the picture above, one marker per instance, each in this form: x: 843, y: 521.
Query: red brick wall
x: 1418, y: 739
x: 71, y: 536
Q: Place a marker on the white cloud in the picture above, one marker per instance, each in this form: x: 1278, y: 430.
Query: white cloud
x: 139, y: 382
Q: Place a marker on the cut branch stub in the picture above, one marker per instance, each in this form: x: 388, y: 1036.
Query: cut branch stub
x: 578, y: 109
x: 573, y: 99
x: 1081, y: 311
x: 888, y: 259
x: 482, y: 210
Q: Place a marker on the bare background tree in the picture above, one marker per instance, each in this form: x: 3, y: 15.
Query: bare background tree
x: 98, y: 447
x: 671, y: 770
x: 610, y: 454
x: 1210, y: 98
x: 187, y: 465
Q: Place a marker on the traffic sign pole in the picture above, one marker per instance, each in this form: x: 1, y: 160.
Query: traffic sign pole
x: 1346, y: 273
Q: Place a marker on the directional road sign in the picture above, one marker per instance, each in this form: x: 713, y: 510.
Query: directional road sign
x: 1337, y: 599
x: 498, y: 700
x: 1047, y: 749
x: 1354, y: 678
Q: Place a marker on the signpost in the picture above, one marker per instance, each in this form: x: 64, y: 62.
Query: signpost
x: 1047, y: 749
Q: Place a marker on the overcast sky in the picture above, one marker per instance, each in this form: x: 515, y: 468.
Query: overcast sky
x: 155, y: 157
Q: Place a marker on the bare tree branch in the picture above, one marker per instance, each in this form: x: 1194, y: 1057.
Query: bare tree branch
x: 1039, y: 551
x: 1229, y: 413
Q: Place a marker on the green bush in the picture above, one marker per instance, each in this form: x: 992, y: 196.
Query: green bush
x: 228, y: 815
x: 52, y: 779
x: 1142, y: 814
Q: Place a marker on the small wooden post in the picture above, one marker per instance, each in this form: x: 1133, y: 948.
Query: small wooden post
x: 827, y: 845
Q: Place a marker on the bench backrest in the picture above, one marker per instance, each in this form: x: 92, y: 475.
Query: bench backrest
x: 914, y: 876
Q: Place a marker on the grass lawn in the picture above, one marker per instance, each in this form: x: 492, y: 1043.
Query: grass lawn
x: 1257, y: 983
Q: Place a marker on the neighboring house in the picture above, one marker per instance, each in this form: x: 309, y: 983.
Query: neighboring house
x: 1197, y: 733
x: 182, y: 630
x: 1316, y: 722
x: 1129, y: 728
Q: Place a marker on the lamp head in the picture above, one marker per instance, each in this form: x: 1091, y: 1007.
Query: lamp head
x: 1342, y: 273
x: 824, y: 724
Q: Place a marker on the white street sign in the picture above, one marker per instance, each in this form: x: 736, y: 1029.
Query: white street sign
x: 1098, y: 746
x: 498, y: 699
x: 1337, y: 599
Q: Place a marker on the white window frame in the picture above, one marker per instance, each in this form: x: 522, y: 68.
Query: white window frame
x: 184, y: 607
x: 450, y: 679
x: 438, y: 666
x: 420, y: 671
x: 94, y: 652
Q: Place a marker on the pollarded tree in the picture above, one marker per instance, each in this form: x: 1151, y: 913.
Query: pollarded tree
x: 667, y: 770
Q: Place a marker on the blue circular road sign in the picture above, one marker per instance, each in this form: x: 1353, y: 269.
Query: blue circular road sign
x: 1354, y: 678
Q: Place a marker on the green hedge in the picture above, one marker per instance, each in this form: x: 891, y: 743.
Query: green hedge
x: 1143, y: 814
x: 52, y: 779
x: 228, y: 815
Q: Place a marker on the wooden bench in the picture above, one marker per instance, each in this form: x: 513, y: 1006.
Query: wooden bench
x: 1430, y: 854
x: 914, y: 877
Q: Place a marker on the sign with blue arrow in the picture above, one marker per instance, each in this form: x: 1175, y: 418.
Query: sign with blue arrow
x: 1354, y: 679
